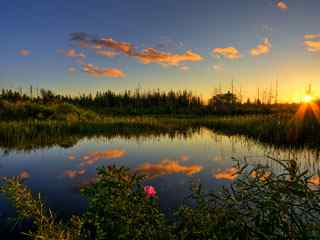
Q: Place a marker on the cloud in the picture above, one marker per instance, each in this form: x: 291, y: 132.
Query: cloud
x: 72, y: 53
x: 72, y: 157
x: 146, y: 55
x: 312, y: 42
x: 282, y: 5
x: 228, y: 52
x: 102, y: 72
x: 24, y: 174
x: 311, y: 36
x: 314, y: 180
x: 106, y: 53
x: 262, y: 48
x: 150, y: 55
x: 166, y: 167
x: 124, y: 47
x: 88, y: 41
x: 74, y: 173
x: 24, y: 52
x: 312, y: 46
x: 94, y: 157
x: 227, y: 174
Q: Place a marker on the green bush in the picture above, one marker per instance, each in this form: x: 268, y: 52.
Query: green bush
x: 127, y: 213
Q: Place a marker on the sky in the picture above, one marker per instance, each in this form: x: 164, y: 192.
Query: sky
x: 74, y: 47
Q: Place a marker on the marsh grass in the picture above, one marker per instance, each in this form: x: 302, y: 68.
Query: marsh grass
x: 276, y: 130
x: 30, y: 135
x: 30, y: 207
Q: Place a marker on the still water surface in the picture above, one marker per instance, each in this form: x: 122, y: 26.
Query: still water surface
x: 172, y: 162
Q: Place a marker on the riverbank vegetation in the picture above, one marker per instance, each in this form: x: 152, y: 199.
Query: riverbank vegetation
x: 46, y: 119
x: 260, y: 204
x: 279, y: 130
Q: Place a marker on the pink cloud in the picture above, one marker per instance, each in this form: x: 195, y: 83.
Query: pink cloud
x: 24, y: 52
x: 282, y: 5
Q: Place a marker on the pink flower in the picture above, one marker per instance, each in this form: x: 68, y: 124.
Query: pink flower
x: 150, y: 191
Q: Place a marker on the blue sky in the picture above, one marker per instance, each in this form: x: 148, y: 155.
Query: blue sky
x: 43, y: 28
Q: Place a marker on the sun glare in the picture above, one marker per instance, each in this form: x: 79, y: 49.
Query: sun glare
x: 307, y: 99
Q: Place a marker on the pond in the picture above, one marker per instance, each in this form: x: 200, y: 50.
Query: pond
x: 171, y: 161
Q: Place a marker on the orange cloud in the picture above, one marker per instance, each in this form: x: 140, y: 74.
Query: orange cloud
x: 146, y: 56
x: 166, y: 167
x: 102, y: 72
x: 88, y: 41
x: 72, y: 53
x: 123, y: 47
x: 149, y: 55
x: 311, y: 36
x: 94, y: 157
x: 315, y: 180
x: 106, y: 53
x: 282, y: 5
x: 228, y: 52
x: 227, y: 174
x: 24, y: 174
x: 312, y: 46
x: 24, y: 52
x: 74, y: 173
x: 262, y: 48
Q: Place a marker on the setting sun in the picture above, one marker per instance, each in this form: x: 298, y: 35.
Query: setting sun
x: 307, y: 98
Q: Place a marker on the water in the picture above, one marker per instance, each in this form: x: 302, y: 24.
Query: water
x: 171, y: 161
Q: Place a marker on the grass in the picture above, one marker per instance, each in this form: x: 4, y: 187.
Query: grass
x: 27, y: 135
x: 32, y: 208
x: 279, y: 130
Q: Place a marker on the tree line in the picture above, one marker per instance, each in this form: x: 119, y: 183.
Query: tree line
x: 144, y: 102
